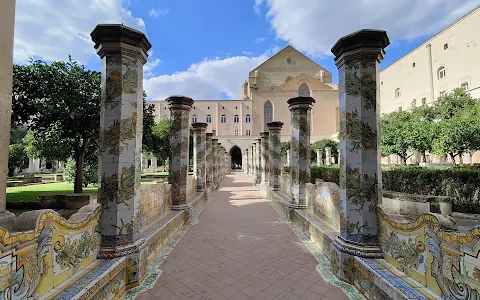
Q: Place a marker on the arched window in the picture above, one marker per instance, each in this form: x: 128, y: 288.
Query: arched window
x: 397, y: 93
x: 247, y: 119
x: 442, y: 72
x: 235, y: 119
x: 267, y: 112
x: 194, y: 119
x: 209, y: 119
x: 223, y: 119
x: 304, y: 90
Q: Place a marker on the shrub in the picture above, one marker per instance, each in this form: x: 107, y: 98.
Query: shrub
x: 458, y: 183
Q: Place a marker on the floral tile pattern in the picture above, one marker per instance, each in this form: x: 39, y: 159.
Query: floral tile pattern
x: 209, y: 159
x: 264, y: 160
x: 199, y: 162
x: 274, y: 129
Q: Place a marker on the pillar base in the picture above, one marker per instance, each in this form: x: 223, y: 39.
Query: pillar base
x: 296, y: 206
x: 137, y: 260
x: 7, y: 219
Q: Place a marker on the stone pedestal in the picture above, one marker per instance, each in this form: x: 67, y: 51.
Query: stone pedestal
x: 328, y: 156
x: 179, y: 138
x: 264, y: 160
x: 358, y: 57
x: 319, y: 157
x: 199, y: 141
x: 258, y: 157
x: 209, y: 160
x: 274, y: 129
x: 300, y: 148
x: 123, y: 52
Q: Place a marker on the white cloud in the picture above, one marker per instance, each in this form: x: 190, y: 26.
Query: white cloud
x: 152, y: 63
x: 314, y: 26
x: 257, y: 5
x: 208, y: 79
x: 54, y: 29
x: 157, y: 12
x: 259, y: 40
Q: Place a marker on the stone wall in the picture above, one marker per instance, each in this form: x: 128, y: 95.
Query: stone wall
x: 191, y: 186
x: 155, y: 203
x: 44, y: 250
x: 285, y: 183
x: 323, y: 201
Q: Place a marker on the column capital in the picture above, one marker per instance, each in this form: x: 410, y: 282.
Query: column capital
x: 300, y: 102
x: 199, y: 126
x: 209, y: 135
x: 180, y: 102
x: 370, y: 42
x: 113, y: 37
x: 275, y: 125
x: 264, y: 134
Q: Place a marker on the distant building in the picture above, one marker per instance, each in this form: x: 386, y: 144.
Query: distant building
x: 287, y: 74
x: 449, y: 60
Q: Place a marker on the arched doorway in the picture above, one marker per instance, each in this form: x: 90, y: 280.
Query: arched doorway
x: 236, y: 158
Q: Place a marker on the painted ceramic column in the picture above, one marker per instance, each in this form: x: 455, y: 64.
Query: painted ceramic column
x: 254, y: 165
x: 215, y: 163
x: 7, y: 17
x: 199, y: 141
x: 123, y: 52
x: 358, y: 57
x: 219, y: 156
x: 264, y: 160
x: 319, y: 157
x: 274, y: 129
x: 180, y: 107
x: 247, y: 160
x: 300, y: 148
x: 288, y: 158
x: 328, y: 156
x: 209, y: 159
x: 258, y: 156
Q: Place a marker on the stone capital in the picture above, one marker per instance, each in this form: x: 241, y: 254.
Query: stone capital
x: 369, y: 42
x: 300, y: 102
x: 264, y: 135
x: 209, y: 135
x: 275, y: 125
x: 181, y: 102
x: 113, y: 37
x: 199, y: 126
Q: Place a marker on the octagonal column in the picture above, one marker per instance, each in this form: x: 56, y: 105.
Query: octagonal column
x: 254, y: 165
x: 358, y: 57
x: 219, y: 161
x: 209, y: 159
x: 199, y: 161
x: 215, y: 164
x: 7, y: 17
x: 180, y: 107
x: 264, y: 160
x: 319, y: 157
x: 328, y: 156
x: 274, y: 129
x: 247, y: 160
x: 258, y: 157
x: 289, y: 161
x: 300, y: 148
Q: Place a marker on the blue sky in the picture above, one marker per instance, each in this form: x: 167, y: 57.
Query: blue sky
x: 204, y: 49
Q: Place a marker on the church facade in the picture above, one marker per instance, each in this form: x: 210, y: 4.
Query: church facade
x: 287, y: 74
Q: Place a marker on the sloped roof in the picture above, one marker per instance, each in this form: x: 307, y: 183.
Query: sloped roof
x: 288, y: 47
x: 312, y: 82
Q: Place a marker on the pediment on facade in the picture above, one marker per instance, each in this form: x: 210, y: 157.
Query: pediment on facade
x: 312, y: 82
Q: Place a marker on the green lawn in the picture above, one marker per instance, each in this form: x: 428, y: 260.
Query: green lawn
x: 30, y: 192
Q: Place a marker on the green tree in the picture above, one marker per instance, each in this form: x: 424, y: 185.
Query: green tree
x: 17, y: 158
x: 423, y: 130
x: 284, y: 148
x: 161, y: 140
x: 322, y: 144
x: 396, y: 137
x: 148, y: 141
x: 458, y: 123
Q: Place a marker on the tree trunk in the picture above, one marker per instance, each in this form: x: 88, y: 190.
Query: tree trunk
x: 404, y: 160
x: 79, y: 164
x: 460, y: 158
x: 452, y: 157
x: 424, y: 157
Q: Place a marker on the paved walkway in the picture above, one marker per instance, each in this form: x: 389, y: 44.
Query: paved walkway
x: 240, y: 250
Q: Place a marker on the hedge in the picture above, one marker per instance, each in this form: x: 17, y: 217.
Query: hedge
x: 461, y: 184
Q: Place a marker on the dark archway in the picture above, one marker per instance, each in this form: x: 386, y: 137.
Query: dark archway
x: 236, y: 158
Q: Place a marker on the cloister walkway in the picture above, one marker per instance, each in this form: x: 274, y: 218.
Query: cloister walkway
x: 239, y: 249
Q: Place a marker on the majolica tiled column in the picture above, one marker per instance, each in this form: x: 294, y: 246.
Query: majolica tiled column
x: 199, y: 141
x: 247, y: 160
x: 215, y: 163
x: 179, y: 145
x: 319, y: 157
x: 328, y: 156
x: 289, y: 161
x: 274, y: 129
x: 258, y: 157
x: 264, y: 160
x: 358, y: 57
x: 220, y: 161
x: 300, y: 148
x: 123, y: 52
x: 209, y: 159
x: 254, y: 163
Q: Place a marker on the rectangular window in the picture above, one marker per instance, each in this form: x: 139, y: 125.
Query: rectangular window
x: 235, y: 119
x: 442, y: 93
x: 400, y: 108
x: 445, y: 46
x: 413, y: 65
x: 465, y: 86
x: 236, y: 131
x: 424, y: 101
x: 248, y: 132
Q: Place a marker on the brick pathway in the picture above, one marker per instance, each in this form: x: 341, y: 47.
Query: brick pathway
x: 240, y: 250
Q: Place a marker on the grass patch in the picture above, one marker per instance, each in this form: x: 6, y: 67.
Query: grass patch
x: 31, y: 192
